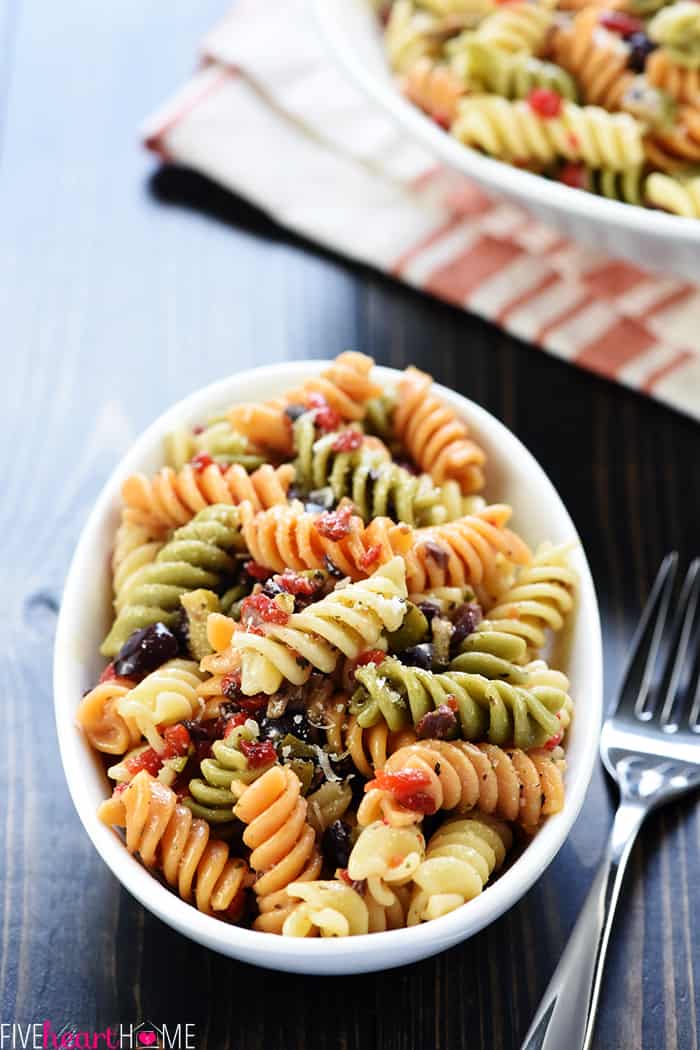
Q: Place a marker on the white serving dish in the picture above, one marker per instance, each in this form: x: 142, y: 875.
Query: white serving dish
x: 648, y: 238
x: 513, y: 476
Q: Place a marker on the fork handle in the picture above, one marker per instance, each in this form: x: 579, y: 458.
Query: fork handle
x: 566, y: 1016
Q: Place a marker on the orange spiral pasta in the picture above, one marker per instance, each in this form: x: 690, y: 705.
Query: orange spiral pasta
x: 435, y: 88
x: 168, y: 838
x: 172, y: 497
x: 287, y: 537
x: 102, y: 724
x: 514, y: 785
x: 678, y: 147
x: 345, y: 385
x: 434, y: 436
x: 597, y: 58
x: 282, y: 843
x: 477, y: 550
x: 679, y: 82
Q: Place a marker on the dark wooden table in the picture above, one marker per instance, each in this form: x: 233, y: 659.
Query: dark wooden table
x: 119, y: 293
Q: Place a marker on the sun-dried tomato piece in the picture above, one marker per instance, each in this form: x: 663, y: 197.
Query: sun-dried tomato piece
x: 335, y: 525
x: 325, y: 417
x: 258, y: 608
x: 545, y: 102
x: 177, y: 741
x: 370, y: 556
x: 258, y: 572
x: 347, y: 441
x: 297, y: 583
x: 258, y: 753
x: 620, y: 22
x: 149, y: 760
x: 201, y: 461
x: 405, y: 785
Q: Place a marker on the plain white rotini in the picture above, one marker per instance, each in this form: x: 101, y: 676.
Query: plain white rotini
x: 513, y: 131
x: 164, y: 697
x: 460, y: 859
x: 348, y: 621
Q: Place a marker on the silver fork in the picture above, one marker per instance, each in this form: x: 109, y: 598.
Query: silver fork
x: 650, y: 745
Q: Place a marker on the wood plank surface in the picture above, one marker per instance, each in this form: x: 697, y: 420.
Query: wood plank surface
x: 119, y: 293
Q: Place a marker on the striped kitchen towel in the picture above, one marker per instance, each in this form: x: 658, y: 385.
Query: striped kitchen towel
x: 270, y: 117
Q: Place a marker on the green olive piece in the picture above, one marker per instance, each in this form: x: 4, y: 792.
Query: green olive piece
x: 198, y: 605
x: 413, y: 630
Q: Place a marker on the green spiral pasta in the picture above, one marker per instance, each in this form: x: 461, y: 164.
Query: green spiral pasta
x: 679, y: 196
x: 513, y: 131
x: 483, y: 67
x: 377, y: 485
x: 486, y: 709
x: 677, y: 29
x: 218, y: 439
x: 378, y: 419
x: 200, y: 554
x: 211, y: 797
x: 617, y: 185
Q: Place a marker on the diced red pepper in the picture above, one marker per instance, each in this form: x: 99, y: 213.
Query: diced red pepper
x: 108, y: 674
x: 344, y: 876
x: 258, y: 753
x: 120, y: 789
x: 554, y: 741
x: 451, y: 702
x: 258, y: 608
x: 348, y: 440
x: 177, y: 741
x: 325, y: 417
x: 258, y: 572
x: 370, y: 556
x: 545, y: 102
x: 574, y: 175
x: 201, y: 461
x: 149, y: 760
x: 335, y: 525
x: 620, y: 22
x: 405, y: 785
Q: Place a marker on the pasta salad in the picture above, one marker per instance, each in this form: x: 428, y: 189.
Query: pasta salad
x: 327, y: 708
x: 603, y: 96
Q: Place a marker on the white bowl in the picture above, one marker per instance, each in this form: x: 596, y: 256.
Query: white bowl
x: 646, y: 237
x: 514, y: 476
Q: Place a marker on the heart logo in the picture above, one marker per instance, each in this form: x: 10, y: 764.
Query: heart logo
x: 147, y: 1038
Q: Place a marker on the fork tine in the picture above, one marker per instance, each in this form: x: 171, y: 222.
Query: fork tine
x: 678, y: 648
x: 634, y: 687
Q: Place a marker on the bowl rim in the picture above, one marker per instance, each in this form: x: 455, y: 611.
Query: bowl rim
x: 489, y: 170
x: 417, y: 941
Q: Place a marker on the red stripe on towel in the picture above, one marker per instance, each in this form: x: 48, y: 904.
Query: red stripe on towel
x: 613, y: 278
x: 621, y: 343
x: 459, y: 278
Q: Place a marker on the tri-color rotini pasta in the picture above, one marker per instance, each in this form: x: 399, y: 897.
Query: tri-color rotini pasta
x: 603, y: 97
x: 329, y: 709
